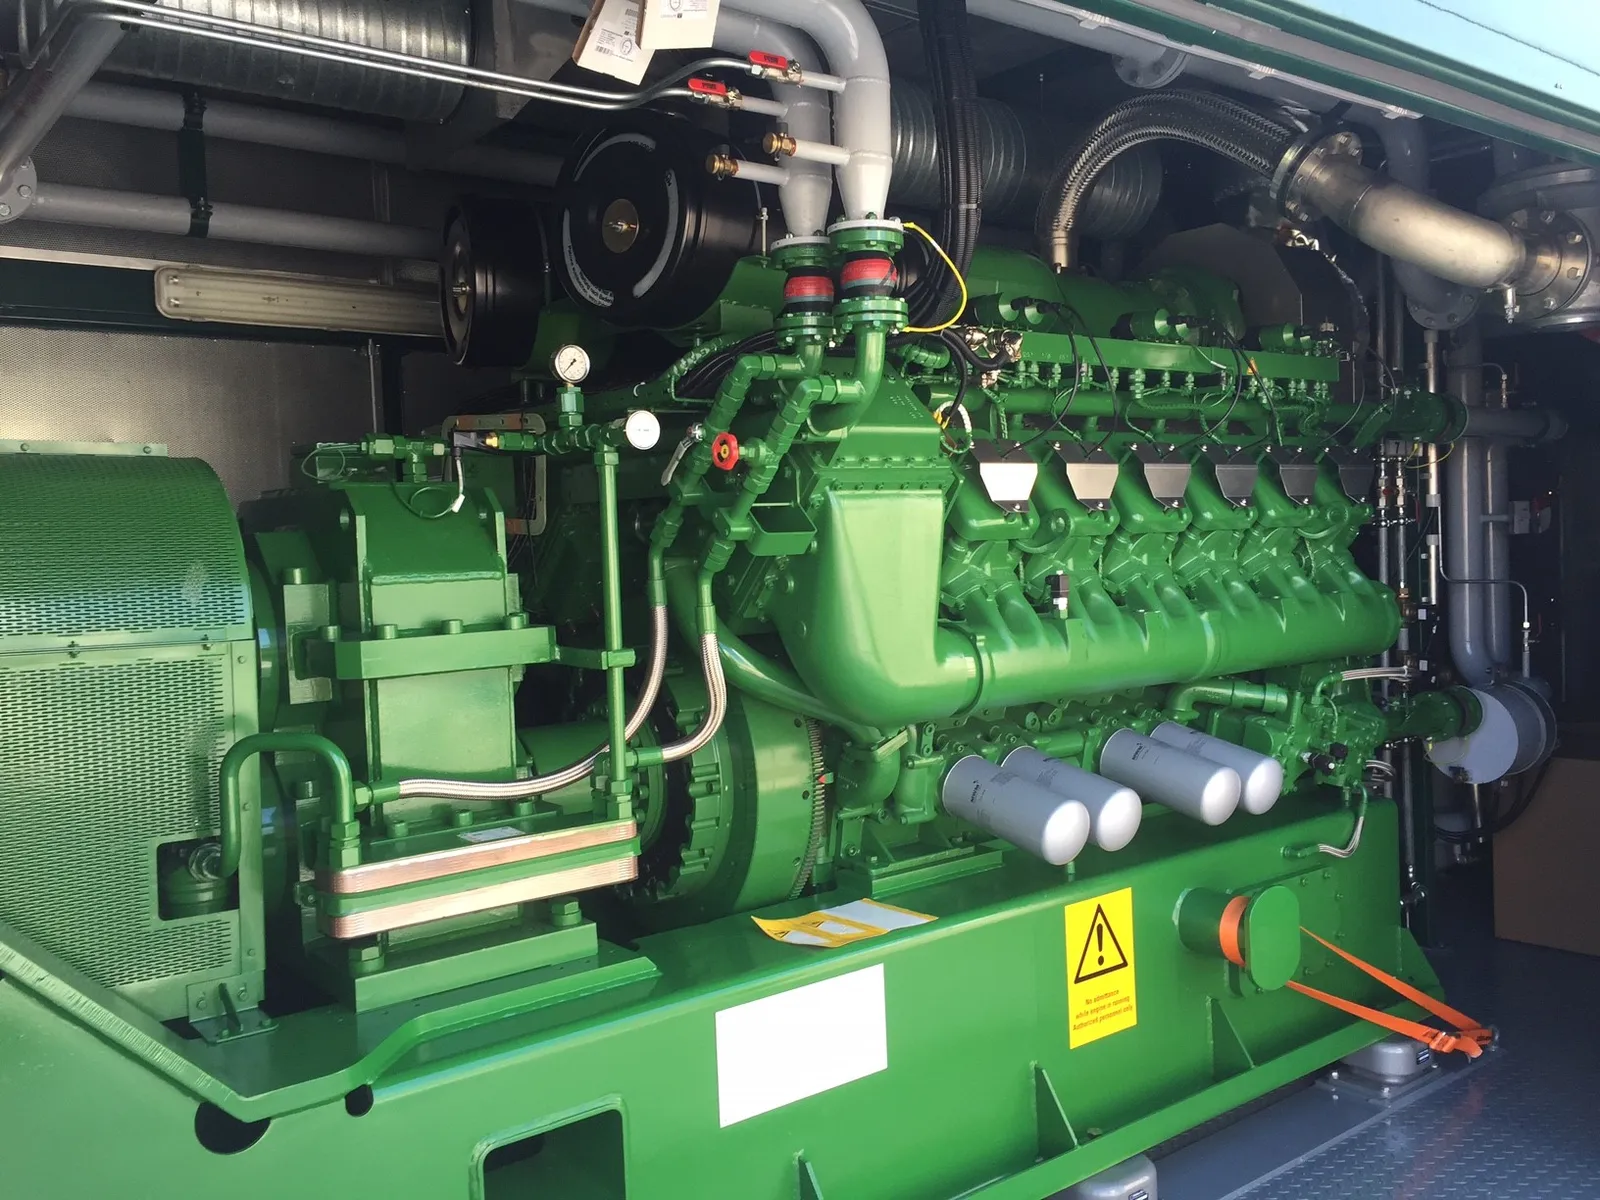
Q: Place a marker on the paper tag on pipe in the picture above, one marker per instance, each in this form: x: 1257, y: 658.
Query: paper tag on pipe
x: 841, y: 925
x: 677, y: 24
x: 609, y: 41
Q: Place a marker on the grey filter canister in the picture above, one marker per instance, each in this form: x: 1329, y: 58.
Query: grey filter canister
x: 1262, y: 775
x: 1187, y: 783
x: 1114, y: 808
x: 1005, y: 804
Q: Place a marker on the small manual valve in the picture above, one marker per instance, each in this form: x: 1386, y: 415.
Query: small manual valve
x: 725, y: 451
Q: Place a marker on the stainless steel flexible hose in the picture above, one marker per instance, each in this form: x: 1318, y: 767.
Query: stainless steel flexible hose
x: 541, y: 785
x: 1203, y: 119
x: 716, y: 703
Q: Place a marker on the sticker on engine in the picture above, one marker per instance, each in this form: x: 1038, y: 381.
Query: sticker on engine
x: 1101, y: 997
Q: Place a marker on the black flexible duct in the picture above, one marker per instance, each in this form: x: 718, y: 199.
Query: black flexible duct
x: 947, y: 48
x: 1203, y: 119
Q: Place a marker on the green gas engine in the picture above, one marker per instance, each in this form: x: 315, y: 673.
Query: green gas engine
x: 800, y: 748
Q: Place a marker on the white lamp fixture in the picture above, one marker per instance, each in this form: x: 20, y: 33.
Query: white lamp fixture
x: 234, y: 297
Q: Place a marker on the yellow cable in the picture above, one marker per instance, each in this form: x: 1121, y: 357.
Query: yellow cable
x: 960, y: 283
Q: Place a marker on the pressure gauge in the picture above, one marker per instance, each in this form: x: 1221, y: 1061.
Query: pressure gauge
x: 642, y: 429
x: 570, y: 364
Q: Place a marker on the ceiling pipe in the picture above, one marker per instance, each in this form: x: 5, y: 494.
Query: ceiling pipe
x: 151, y: 108
x: 141, y: 212
x: 35, y: 99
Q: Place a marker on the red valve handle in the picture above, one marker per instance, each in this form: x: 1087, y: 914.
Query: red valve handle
x: 725, y: 451
x: 708, y: 87
x: 775, y: 62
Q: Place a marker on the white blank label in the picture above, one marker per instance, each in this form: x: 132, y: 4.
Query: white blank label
x: 800, y: 1043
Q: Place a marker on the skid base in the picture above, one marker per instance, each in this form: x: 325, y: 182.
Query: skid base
x: 926, y: 1064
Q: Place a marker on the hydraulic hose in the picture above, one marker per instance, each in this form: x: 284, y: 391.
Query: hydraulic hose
x: 1202, y: 119
x: 541, y: 785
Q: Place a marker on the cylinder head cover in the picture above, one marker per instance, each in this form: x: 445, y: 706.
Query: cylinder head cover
x: 1033, y: 818
x: 1195, y: 786
x: 1114, y: 808
x: 1260, y: 774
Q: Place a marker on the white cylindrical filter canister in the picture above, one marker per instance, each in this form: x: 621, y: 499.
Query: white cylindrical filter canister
x: 1028, y: 816
x: 1187, y: 783
x: 1262, y: 775
x: 1114, y: 808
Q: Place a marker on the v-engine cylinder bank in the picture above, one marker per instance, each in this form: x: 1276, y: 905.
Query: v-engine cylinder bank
x: 871, y: 671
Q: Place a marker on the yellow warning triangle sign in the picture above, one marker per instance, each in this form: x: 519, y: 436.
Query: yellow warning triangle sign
x: 1102, y: 952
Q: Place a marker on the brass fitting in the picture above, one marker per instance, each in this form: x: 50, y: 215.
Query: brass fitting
x: 722, y: 166
x: 778, y: 143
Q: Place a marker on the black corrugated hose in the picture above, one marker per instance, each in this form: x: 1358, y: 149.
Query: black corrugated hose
x: 1204, y: 119
x: 947, y: 49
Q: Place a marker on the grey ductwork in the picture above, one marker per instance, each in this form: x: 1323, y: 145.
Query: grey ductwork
x: 1018, y: 155
x: 440, y: 30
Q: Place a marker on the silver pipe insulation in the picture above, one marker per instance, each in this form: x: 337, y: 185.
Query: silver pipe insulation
x: 35, y: 100
x: 543, y: 785
x: 435, y: 31
x: 68, y: 204
x: 1016, y: 156
x: 147, y: 108
x: 74, y: 15
x: 1405, y: 147
x: 1412, y: 227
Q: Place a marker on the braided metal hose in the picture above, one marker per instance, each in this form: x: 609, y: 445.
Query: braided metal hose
x: 541, y: 785
x: 1203, y: 119
x: 717, y: 703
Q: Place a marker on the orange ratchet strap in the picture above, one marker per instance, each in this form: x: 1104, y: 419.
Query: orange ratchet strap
x: 1470, y: 1038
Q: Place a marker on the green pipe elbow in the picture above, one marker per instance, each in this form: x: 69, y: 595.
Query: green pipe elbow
x: 751, y: 671
x: 1268, y: 697
x: 341, y: 802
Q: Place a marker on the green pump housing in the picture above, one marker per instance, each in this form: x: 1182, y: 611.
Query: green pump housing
x: 428, y: 804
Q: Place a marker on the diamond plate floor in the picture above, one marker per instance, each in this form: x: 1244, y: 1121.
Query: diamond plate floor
x: 1525, y: 1126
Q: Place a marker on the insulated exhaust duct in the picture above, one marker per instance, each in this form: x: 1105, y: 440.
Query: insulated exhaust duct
x: 433, y: 29
x: 1018, y: 155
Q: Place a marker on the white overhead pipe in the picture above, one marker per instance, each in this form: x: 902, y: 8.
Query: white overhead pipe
x: 844, y: 32
x: 807, y: 186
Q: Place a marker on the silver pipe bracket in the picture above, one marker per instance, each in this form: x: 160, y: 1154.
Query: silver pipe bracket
x: 21, y: 190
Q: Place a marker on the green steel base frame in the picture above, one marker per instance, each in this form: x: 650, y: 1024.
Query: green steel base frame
x: 600, y: 1081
